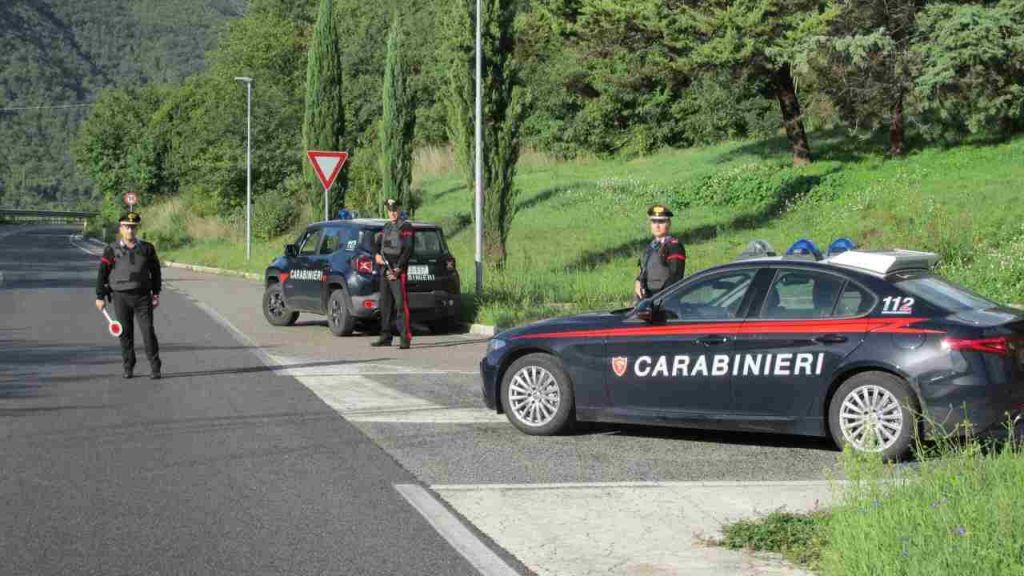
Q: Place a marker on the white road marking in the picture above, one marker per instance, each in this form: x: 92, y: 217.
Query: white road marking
x: 481, y: 557
x: 629, y: 527
x: 76, y: 241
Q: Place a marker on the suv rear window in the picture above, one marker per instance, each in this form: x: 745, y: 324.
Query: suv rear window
x: 942, y: 293
x: 429, y: 242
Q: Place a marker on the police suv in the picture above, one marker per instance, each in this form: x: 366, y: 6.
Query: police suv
x: 866, y: 347
x: 330, y: 270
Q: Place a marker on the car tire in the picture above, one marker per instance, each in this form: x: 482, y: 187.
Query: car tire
x: 537, y: 395
x: 874, y: 412
x: 340, y: 320
x: 274, y: 308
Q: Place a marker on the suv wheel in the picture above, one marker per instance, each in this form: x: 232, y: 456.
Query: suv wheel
x: 874, y: 412
x: 339, y: 315
x: 274, y: 309
x: 537, y: 395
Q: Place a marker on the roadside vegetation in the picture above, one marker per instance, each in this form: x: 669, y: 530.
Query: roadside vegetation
x: 582, y: 223
x: 953, y: 512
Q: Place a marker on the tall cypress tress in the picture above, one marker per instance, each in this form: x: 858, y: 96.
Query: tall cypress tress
x: 397, y: 125
x: 505, y: 103
x: 323, y: 125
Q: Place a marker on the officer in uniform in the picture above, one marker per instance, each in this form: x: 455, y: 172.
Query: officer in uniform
x: 394, y: 248
x: 129, y: 275
x: 664, y: 259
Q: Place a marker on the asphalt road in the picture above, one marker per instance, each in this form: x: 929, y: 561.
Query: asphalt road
x: 226, y: 466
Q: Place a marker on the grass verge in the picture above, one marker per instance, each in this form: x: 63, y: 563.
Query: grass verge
x: 957, y: 511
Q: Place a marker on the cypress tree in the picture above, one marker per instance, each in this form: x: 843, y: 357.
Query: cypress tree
x: 504, y: 106
x: 323, y: 125
x: 397, y: 126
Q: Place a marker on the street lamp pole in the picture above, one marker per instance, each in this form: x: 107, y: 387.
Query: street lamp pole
x: 478, y: 168
x: 248, y: 164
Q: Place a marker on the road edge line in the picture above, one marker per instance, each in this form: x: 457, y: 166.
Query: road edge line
x: 467, y: 544
x: 242, y: 337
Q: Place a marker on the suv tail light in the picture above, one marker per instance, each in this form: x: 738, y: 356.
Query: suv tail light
x: 363, y: 264
x: 999, y: 345
x: 450, y: 264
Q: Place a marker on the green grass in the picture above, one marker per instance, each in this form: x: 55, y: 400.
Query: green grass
x: 576, y: 240
x: 958, y: 511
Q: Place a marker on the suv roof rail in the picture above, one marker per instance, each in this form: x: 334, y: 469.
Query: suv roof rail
x: 885, y: 261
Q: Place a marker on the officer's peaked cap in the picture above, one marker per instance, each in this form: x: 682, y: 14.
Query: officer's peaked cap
x: 392, y: 204
x: 131, y: 218
x: 659, y: 211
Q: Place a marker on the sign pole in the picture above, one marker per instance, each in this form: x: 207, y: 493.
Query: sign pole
x: 478, y: 168
x: 248, y: 170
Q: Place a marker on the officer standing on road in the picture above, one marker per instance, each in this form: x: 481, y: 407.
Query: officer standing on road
x: 394, y: 249
x: 130, y: 275
x: 664, y: 259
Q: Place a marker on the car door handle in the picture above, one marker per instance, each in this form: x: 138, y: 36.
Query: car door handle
x: 831, y: 339
x: 714, y: 340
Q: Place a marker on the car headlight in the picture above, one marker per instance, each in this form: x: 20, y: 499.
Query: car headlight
x: 495, y: 344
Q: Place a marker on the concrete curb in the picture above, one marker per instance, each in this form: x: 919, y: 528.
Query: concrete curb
x: 483, y: 329
x: 211, y: 270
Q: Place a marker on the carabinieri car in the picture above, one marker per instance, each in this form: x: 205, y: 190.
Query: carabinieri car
x: 329, y: 270
x: 866, y: 347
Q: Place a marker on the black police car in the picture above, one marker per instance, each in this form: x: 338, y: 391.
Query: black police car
x: 856, y: 346
x: 330, y: 270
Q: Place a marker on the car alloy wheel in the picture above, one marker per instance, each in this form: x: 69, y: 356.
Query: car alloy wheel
x: 534, y: 396
x: 871, y: 418
x: 276, y: 305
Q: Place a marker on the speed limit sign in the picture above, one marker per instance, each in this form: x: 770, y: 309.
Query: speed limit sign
x: 131, y: 199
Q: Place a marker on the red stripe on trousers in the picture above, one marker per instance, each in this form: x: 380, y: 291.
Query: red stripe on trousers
x: 405, y: 308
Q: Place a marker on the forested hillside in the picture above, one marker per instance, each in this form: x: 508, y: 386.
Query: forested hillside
x: 56, y: 55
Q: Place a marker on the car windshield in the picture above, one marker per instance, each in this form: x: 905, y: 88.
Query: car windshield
x: 943, y: 293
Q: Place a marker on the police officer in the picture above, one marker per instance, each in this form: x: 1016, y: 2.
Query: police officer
x: 130, y: 276
x: 394, y: 248
x: 664, y: 260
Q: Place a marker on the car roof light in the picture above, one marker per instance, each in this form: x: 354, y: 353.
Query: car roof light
x: 840, y: 245
x: 804, y: 248
x: 885, y: 261
x: 757, y: 249
x: 346, y: 214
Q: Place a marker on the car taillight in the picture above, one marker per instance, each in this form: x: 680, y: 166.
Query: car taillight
x: 998, y: 345
x: 450, y: 264
x: 283, y: 277
x: 362, y: 264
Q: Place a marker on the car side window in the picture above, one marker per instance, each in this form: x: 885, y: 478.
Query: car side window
x: 311, y: 243
x: 801, y: 294
x: 717, y: 298
x: 338, y: 239
x: 854, y: 301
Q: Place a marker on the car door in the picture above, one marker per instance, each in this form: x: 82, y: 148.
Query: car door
x: 806, y: 324
x: 678, y: 365
x: 302, y: 291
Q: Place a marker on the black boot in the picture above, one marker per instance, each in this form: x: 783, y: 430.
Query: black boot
x: 127, y: 373
x: 404, y: 344
x: 155, y: 375
x: 382, y: 341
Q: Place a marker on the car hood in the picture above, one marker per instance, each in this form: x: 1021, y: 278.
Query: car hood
x: 565, y: 324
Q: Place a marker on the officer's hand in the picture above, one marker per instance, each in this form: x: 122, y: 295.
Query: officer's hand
x: 638, y: 289
x: 379, y: 260
x: 156, y: 300
x: 390, y: 276
x: 100, y: 304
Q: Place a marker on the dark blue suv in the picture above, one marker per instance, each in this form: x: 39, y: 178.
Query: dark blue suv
x: 329, y: 270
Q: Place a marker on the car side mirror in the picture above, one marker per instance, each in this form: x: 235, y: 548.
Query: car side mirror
x: 291, y: 250
x: 646, y: 311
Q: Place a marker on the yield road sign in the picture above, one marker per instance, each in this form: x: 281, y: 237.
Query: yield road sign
x: 327, y: 165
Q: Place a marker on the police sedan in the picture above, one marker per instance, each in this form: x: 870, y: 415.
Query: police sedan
x: 869, y: 348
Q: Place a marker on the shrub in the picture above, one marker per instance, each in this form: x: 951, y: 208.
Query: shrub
x: 274, y: 212
x: 749, y: 186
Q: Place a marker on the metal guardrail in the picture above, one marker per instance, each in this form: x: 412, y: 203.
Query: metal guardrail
x: 18, y: 215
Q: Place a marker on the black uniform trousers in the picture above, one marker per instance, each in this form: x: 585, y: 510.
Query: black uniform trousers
x: 394, y: 301
x: 129, y: 307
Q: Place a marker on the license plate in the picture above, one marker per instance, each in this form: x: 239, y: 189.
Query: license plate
x: 419, y: 271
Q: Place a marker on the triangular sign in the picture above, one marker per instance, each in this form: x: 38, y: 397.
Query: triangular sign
x: 327, y: 165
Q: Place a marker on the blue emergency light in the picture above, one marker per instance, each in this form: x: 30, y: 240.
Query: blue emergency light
x: 403, y: 215
x: 804, y: 247
x: 840, y: 245
x: 346, y: 214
